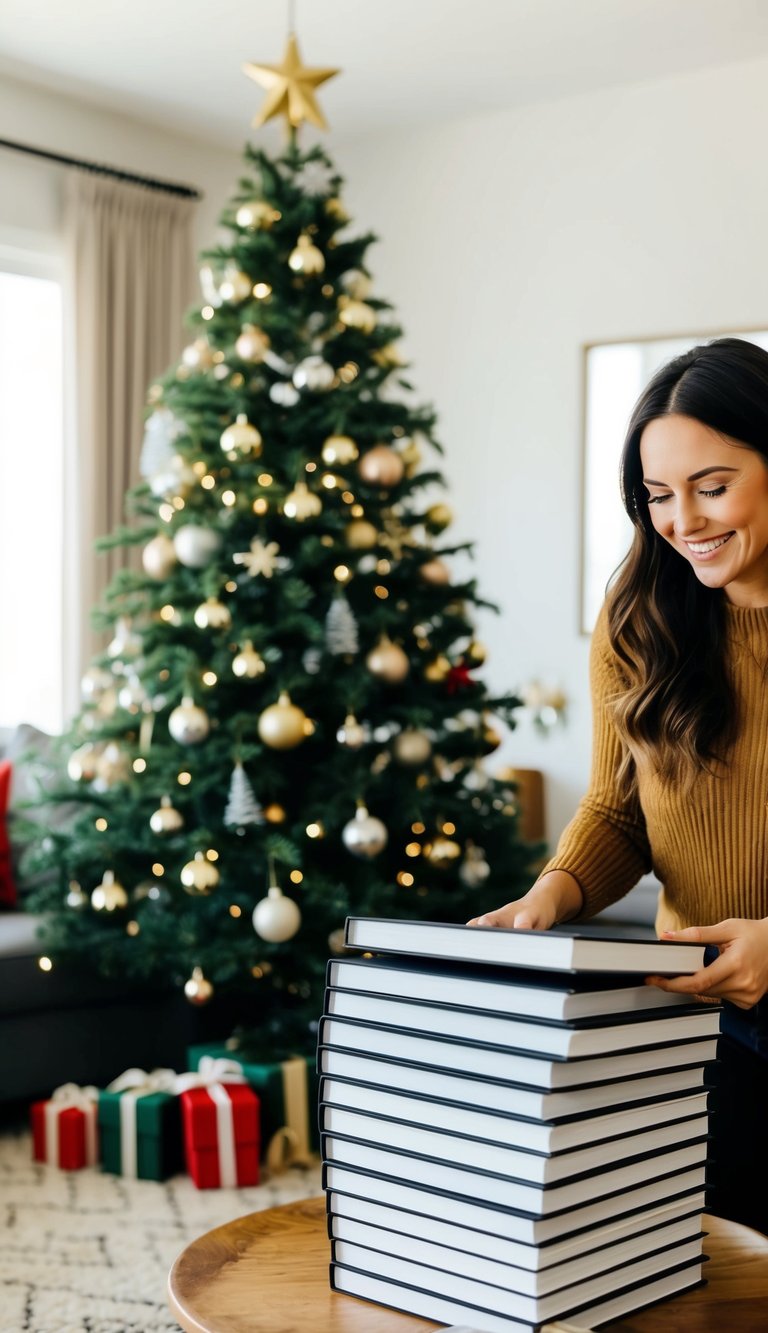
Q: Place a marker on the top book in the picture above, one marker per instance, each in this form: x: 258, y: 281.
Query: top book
x: 559, y: 950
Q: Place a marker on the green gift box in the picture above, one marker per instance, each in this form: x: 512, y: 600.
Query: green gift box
x: 288, y: 1093
x: 140, y: 1129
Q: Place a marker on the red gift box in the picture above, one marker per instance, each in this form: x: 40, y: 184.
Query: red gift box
x: 64, y: 1130
x: 221, y: 1135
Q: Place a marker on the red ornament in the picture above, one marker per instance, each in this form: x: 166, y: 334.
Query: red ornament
x: 458, y: 678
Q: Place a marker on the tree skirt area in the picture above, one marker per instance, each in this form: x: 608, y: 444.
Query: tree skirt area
x: 84, y: 1252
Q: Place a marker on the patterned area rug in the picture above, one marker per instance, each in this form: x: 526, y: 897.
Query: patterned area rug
x: 82, y: 1252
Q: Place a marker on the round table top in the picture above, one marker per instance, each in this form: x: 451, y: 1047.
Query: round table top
x: 268, y: 1273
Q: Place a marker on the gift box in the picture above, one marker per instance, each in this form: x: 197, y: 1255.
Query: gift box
x: 221, y: 1127
x: 140, y: 1125
x: 64, y: 1129
x: 288, y: 1095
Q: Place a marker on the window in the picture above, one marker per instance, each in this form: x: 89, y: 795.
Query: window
x: 31, y: 476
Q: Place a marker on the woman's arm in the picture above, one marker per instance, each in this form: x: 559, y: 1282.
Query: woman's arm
x: 556, y: 896
x: 740, y: 974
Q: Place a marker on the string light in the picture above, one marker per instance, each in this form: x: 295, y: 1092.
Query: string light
x: 381, y: 592
x: 405, y: 878
x: 132, y: 928
x: 184, y: 779
x: 262, y: 290
x: 166, y: 512
x: 235, y: 910
x: 417, y: 828
x: 211, y: 854
x: 207, y: 312
x: 413, y: 849
x: 45, y: 964
x: 209, y: 678
x: 264, y: 479
x: 139, y: 765
x: 228, y: 498
x: 158, y: 869
x: 208, y: 482
x: 296, y: 877
x: 101, y: 825
x: 260, y: 506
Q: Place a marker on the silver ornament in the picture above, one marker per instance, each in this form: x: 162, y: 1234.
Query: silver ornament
x: 188, y: 724
x: 474, y: 869
x: 276, y: 918
x: 284, y: 394
x: 195, y: 546
x: 365, y: 835
x: 314, y: 373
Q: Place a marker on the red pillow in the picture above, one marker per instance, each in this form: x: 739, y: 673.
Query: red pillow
x: 8, y: 895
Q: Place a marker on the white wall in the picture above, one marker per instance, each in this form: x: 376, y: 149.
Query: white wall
x: 508, y: 241
x: 30, y: 189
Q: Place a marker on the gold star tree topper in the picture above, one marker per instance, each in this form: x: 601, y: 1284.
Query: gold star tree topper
x: 291, y: 88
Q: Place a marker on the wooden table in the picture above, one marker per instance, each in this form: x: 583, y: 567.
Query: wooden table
x: 268, y: 1273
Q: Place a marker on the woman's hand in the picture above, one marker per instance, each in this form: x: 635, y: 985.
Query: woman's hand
x: 555, y: 897
x: 740, y: 974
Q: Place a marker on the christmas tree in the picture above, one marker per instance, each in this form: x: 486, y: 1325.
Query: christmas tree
x: 287, y: 725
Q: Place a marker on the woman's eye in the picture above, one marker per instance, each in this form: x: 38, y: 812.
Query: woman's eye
x: 657, y: 499
x: 717, y: 491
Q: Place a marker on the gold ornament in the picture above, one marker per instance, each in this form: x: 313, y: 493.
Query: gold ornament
x: 75, y: 898
x: 388, y: 662
x: 438, y: 669
x: 339, y: 450
x: 381, y: 466
x: 436, y: 572
x: 290, y: 88
x: 241, y: 438
x: 475, y: 653
x: 83, y: 763
x: 188, y: 724
x: 275, y: 814
x: 351, y: 733
x: 389, y: 357
x: 276, y: 918
x: 198, y: 989
x: 248, y: 664
x: 198, y: 355
x: 159, y: 557
x: 315, y: 374
x: 252, y: 344
x: 365, y: 835
x: 200, y: 876
x: 412, y: 747
x: 95, y: 681
x: 356, y: 314
x: 361, y: 535
x: 166, y: 819
x: 490, y: 737
x: 306, y: 258
x: 235, y: 285
x: 109, y: 895
x: 282, y: 725
x: 442, y: 853
x: 438, y: 517
x: 112, y: 766
x: 336, y: 940
x: 256, y: 213
x: 410, y: 452
x: 213, y: 614
x: 335, y: 209
x: 302, y: 503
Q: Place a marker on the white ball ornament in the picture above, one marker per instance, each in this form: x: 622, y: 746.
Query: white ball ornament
x: 195, y: 546
x: 314, y: 373
x: 248, y: 664
x: 284, y: 394
x: 365, y: 835
x: 235, y: 285
x: 252, y: 344
x: 198, y: 355
x: 159, y: 557
x: 276, y: 918
x: 189, y: 724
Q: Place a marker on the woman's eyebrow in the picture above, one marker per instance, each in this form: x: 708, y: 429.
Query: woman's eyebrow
x: 705, y: 471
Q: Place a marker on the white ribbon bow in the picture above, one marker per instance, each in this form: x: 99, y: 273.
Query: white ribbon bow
x: 211, y: 1074
x: 63, y: 1098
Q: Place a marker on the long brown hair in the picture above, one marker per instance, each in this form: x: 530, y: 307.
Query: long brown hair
x: 666, y: 628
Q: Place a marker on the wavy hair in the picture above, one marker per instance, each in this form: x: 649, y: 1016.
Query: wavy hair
x: 666, y: 628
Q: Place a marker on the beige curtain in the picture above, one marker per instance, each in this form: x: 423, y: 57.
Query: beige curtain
x: 131, y: 276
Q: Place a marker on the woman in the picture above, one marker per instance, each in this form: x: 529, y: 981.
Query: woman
x: 679, y: 674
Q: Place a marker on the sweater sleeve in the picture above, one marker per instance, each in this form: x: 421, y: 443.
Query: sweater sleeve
x: 605, y: 847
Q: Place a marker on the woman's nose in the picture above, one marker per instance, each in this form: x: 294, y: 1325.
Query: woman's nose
x: 687, y: 518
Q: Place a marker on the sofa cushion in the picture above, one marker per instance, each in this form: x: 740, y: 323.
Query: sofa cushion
x: 8, y: 895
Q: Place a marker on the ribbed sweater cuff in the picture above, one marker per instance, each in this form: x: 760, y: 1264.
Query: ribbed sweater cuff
x: 606, y: 865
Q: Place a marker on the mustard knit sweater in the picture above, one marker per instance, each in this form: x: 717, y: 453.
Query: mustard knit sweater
x: 708, y: 845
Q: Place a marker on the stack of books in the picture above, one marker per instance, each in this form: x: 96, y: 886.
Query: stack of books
x: 514, y: 1126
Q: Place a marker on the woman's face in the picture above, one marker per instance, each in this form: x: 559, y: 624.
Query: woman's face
x: 709, y: 499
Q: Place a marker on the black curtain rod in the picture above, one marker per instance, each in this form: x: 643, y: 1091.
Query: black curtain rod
x: 166, y: 187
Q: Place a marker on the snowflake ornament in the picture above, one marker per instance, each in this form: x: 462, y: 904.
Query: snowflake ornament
x: 315, y: 179
x: 262, y: 559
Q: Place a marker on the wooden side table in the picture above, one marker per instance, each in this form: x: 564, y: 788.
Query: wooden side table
x: 268, y: 1273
